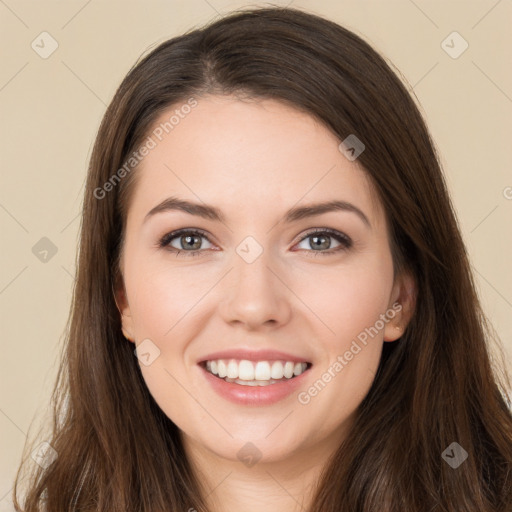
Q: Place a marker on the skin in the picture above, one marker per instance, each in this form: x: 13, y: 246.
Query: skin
x: 254, y: 160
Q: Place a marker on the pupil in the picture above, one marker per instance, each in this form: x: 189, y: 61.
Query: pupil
x: 189, y: 241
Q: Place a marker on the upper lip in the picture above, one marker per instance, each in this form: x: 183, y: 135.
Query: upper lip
x: 253, y: 355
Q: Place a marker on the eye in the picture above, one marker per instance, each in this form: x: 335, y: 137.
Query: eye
x: 321, y: 239
x: 189, y: 241
x: 183, y: 240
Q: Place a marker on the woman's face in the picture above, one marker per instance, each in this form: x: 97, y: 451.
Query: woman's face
x: 256, y: 284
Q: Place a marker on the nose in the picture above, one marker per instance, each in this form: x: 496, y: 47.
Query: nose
x: 255, y: 295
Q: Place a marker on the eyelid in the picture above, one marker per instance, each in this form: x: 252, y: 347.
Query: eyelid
x: 332, y: 232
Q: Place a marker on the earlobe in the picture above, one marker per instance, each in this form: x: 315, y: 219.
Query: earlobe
x: 394, y: 329
x: 403, y: 305
x: 127, y: 335
x: 123, y: 307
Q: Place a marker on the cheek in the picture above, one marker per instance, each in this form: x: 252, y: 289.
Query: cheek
x: 348, y: 299
x: 163, y: 294
x: 352, y: 301
x: 163, y: 302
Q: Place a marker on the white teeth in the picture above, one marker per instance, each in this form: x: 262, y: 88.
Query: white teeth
x: 277, y: 370
x: 255, y: 373
x: 232, y: 369
x: 221, y: 369
x: 245, y: 370
x: 288, y: 369
x: 262, y: 370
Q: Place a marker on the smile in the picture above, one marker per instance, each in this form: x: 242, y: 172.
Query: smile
x: 254, y: 373
x: 254, y: 377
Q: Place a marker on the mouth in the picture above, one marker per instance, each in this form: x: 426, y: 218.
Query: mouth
x: 255, y: 373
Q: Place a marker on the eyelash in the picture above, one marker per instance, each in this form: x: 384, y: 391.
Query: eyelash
x: 344, y: 240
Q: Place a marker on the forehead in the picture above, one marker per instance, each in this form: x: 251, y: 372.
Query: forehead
x: 250, y: 156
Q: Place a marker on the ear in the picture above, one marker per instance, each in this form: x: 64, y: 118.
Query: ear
x: 124, y: 309
x: 401, y: 306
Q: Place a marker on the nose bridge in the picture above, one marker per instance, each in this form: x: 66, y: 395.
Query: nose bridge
x: 252, y: 271
x: 255, y: 294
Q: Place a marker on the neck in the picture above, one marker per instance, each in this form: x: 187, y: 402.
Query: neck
x: 285, y: 485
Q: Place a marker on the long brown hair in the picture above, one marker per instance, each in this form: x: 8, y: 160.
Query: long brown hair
x: 437, y: 385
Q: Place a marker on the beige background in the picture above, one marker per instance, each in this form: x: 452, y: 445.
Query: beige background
x: 51, y: 109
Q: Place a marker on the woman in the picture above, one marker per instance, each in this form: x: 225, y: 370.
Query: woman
x: 267, y: 229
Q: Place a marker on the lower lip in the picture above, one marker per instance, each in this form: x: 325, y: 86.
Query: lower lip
x: 254, y: 395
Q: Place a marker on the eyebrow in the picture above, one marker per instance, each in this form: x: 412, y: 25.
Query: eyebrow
x: 294, y: 214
